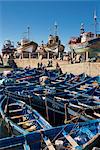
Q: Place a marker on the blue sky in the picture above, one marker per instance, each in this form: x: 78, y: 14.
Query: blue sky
x: 16, y: 16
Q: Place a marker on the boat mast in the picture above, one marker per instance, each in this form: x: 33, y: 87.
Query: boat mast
x: 28, y: 32
x: 95, y: 23
x: 82, y: 28
x: 55, y: 29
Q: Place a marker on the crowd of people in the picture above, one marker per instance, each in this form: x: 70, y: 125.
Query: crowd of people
x: 44, y: 67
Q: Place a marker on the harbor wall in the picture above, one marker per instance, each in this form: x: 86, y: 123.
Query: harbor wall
x: 89, y: 68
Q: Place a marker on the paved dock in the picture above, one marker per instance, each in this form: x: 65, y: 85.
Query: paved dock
x: 89, y: 68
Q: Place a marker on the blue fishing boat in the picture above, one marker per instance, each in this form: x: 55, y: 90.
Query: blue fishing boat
x: 54, y: 104
x: 74, y: 136
x: 20, y: 117
x: 90, y: 87
x: 79, y: 136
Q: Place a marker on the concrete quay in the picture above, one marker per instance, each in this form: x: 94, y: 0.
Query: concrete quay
x: 89, y: 68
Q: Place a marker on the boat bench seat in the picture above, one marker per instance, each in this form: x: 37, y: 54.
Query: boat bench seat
x: 59, y: 80
x: 96, y: 114
x: 48, y: 143
x: 13, y: 104
x: 31, y: 128
x: 53, y: 82
x: 16, y: 110
x: 59, y: 98
x: 70, y: 139
x: 19, y: 116
x: 24, y: 122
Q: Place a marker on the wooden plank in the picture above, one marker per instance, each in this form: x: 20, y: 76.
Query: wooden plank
x: 48, y: 143
x: 96, y: 114
x: 24, y: 122
x: 13, y: 104
x: 70, y: 139
x: 91, y: 141
x: 16, y: 117
x: 68, y: 121
x: 59, y: 98
x: 16, y: 110
x: 32, y: 128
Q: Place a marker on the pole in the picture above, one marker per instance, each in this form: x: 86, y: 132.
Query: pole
x: 89, y: 69
x: 65, y: 107
x: 48, y: 55
x: 38, y: 55
x: 55, y: 28
x: 87, y: 55
x: 29, y: 55
x: 95, y: 23
x: 46, y: 109
x: 59, y: 55
x: 28, y: 32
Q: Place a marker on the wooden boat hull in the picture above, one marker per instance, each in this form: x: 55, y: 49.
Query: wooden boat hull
x: 21, y: 118
x: 80, y: 136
